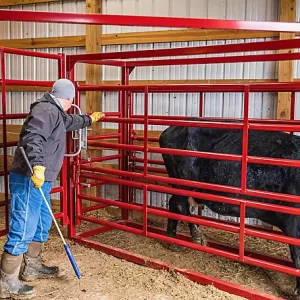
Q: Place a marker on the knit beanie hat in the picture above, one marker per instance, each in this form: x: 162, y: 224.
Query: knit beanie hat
x: 63, y: 88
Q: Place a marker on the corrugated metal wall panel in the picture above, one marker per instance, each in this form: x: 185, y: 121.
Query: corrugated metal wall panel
x: 36, y: 30
x: 260, y: 10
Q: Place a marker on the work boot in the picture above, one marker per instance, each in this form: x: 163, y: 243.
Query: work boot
x: 33, y: 268
x: 9, y: 277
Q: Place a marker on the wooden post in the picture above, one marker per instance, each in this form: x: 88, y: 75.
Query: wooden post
x: 286, y: 68
x: 93, y: 72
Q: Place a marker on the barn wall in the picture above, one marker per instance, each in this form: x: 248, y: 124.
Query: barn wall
x: 228, y: 104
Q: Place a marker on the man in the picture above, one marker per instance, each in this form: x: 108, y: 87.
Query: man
x: 43, y: 137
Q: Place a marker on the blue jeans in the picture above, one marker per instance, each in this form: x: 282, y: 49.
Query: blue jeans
x: 30, y: 219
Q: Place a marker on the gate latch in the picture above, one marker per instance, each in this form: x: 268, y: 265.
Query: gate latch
x: 80, y: 135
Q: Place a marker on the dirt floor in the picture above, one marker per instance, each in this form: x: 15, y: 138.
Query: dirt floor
x: 105, y: 277
x: 266, y: 281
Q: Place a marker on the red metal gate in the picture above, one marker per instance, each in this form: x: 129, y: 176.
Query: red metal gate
x: 128, y: 178
x: 8, y: 142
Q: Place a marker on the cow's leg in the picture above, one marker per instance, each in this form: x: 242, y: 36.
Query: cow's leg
x: 180, y: 205
x: 175, y: 206
x: 197, y: 235
x: 195, y: 230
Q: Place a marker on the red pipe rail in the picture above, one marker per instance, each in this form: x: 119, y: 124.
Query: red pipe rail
x: 129, y: 20
x: 211, y: 119
x: 29, y: 52
x: 196, y: 88
x: 200, y: 50
x: 214, y: 60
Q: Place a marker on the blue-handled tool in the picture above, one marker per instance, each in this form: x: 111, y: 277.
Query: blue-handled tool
x: 68, y: 251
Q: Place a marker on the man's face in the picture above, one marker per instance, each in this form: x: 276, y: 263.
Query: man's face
x: 68, y: 104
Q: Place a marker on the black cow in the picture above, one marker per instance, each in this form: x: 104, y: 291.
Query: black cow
x: 260, y: 177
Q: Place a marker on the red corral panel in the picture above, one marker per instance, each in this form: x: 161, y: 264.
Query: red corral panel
x: 5, y: 116
x: 144, y: 174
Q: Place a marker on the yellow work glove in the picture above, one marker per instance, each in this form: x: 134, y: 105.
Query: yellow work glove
x: 96, y: 116
x: 38, y: 177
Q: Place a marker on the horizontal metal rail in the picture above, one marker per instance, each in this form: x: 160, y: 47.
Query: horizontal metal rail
x: 194, y: 88
x: 22, y: 52
x: 198, y: 195
x: 200, y: 50
x: 129, y: 20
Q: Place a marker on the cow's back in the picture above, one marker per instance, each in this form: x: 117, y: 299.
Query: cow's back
x: 260, y: 143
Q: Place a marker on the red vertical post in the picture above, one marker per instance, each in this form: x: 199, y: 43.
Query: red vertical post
x: 62, y: 66
x: 130, y: 109
x: 71, y: 174
x: 293, y: 100
x: 131, y: 112
x: 125, y: 140
x: 63, y: 194
x: 201, y: 105
x: 242, y: 231
x: 200, y: 115
x: 120, y: 131
x: 245, y: 139
x: 145, y: 188
x: 4, y: 136
x: 145, y: 209
x: 63, y: 172
x: 77, y: 172
x: 146, y: 118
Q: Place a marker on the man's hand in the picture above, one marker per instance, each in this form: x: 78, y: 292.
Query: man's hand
x: 96, y: 116
x: 38, y: 177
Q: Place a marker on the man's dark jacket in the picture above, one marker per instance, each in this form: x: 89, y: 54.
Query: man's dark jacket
x: 43, y: 136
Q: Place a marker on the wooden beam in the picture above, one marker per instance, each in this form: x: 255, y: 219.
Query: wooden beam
x: 93, y: 72
x: 9, y: 162
x: 162, y: 36
x: 188, y: 35
x: 12, y: 129
x: 22, y: 88
x: 286, y: 68
x: 18, y: 88
x: 54, y: 203
x: 93, y: 44
x: 24, y: 2
x: 42, y: 43
x: 2, y: 197
x: 11, y: 136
